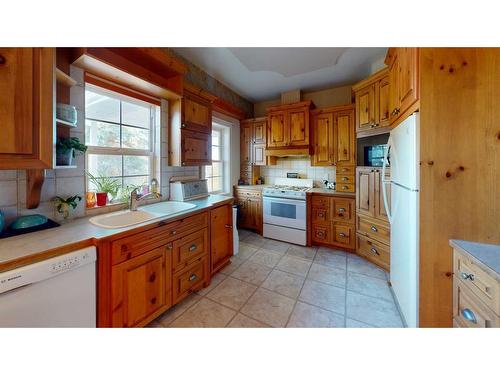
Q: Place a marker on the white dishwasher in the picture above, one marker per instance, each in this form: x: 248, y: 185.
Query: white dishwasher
x: 57, y: 292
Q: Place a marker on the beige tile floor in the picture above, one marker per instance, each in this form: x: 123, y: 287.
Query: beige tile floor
x: 276, y: 284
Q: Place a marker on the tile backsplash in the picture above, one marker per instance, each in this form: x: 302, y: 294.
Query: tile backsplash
x: 68, y: 182
x: 301, y: 165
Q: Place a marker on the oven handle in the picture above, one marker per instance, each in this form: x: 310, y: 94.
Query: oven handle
x: 295, y: 202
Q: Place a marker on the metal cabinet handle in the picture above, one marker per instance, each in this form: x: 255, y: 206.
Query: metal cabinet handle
x: 467, y: 276
x: 344, y: 187
x: 228, y: 226
x: 469, y: 315
x: 173, y: 233
x: 192, y: 247
x: 342, y: 235
x: 374, y: 251
x: 344, y: 169
x: 341, y: 210
x: 183, y: 125
x: 169, y: 247
x: 193, y: 277
x: 345, y: 179
x: 374, y: 229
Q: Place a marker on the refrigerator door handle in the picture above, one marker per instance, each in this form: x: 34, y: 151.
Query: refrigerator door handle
x: 384, y: 182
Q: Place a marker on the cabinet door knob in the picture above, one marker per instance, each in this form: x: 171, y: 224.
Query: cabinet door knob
x: 192, y: 247
x: 469, y: 315
x: 341, y: 210
x: 374, y: 251
x: 467, y: 276
x: 183, y: 125
x: 173, y: 233
x: 193, y: 277
x: 169, y: 246
x: 374, y: 229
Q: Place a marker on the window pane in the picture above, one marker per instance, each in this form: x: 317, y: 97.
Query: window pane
x: 134, y: 114
x: 135, y: 138
x: 215, y: 138
x: 208, y: 171
x: 209, y: 185
x: 217, y: 169
x: 101, y: 107
x: 102, y: 134
x: 135, y: 165
x: 216, y: 183
x: 133, y: 182
x: 105, y: 165
x: 216, y: 153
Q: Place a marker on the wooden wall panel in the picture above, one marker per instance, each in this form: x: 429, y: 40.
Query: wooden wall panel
x: 460, y: 165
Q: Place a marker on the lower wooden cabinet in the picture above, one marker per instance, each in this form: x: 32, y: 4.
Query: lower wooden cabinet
x: 190, y: 279
x: 250, y: 208
x: 221, y: 237
x: 374, y: 251
x: 332, y: 221
x: 141, y: 287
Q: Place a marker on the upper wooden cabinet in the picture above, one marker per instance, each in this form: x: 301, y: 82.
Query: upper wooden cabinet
x: 404, y: 90
x: 372, y: 103
x: 246, y: 143
x: 27, y: 84
x: 253, y: 133
x: 196, y: 113
x: 288, y: 129
x: 190, y: 128
x: 333, y: 134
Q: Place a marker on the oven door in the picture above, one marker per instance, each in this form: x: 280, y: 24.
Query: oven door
x: 290, y: 213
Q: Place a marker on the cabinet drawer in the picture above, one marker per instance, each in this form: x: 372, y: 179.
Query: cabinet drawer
x: 320, y: 215
x: 320, y: 201
x: 320, y: 234
x: 189, y: 248
x: 469, y: 310
x: 343, y: 209
x: 346, y: 169
x: 190, y: 279
x: 345, y: 188
x: 481, y: 284
x: 132, y: 246
x: 344, y: 235
x: 374, y: 229
x: 242, y: 194
x: 373, y: 250
x: 342, y: 179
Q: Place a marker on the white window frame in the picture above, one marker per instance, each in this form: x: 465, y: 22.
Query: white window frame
x: 153, y: 135
x: 224, y: 158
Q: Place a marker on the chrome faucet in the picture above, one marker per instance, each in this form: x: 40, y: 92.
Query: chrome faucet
x: 136, y: 199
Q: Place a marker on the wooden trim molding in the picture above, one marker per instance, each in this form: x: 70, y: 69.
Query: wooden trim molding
x: 228, y: 109
x: 371, y: 79
x: 116, y: 87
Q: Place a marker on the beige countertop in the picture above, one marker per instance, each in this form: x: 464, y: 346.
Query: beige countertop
x: 487, y: 255
x: 252, y: 187
x: 16, y: 251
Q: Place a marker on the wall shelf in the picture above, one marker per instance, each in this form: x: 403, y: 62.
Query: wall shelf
x: 66, y: 123
x: 64, y: 79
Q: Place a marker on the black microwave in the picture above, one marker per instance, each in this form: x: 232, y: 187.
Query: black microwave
x: 374, y: 155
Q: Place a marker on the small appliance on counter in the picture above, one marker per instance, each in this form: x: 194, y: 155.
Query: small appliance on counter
x: 186, y: 189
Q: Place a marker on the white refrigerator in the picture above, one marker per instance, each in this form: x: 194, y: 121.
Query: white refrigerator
x: 402, y: 154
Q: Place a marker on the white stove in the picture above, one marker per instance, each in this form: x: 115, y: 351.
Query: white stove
x: 285, y: 210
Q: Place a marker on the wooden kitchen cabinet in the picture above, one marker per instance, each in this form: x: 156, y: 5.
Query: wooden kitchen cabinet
x: 404, y: 91
x: 333, y: 133
x: 246, y: 143
x: 141, y: 287
x: 221, y: 237
x: 27, y: 84
x: 332, y: 221
x: 372, y: 97
x: 250, y: 208
x: 289, y: 128
x: 372, y: 222
x: 190, y: 129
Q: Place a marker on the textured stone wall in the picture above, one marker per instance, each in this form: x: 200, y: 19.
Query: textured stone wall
x: 202, y: 79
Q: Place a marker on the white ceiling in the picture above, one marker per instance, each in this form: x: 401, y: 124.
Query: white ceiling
x: 264, y: 73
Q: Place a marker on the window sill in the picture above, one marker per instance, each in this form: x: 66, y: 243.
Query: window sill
x: 110, y: 207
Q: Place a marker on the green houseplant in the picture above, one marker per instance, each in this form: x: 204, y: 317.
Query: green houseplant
x: 63, y: 205
x: 66, y: 149
x: 104, y: 186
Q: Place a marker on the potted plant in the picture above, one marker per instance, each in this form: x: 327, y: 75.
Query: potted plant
x: 104, y: 186
x: 63, y: 205
x: 66, y: 148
